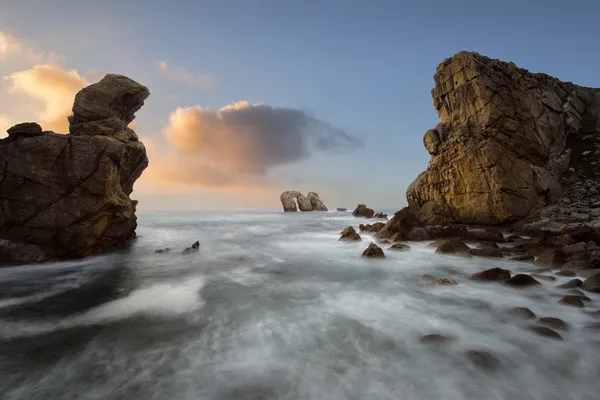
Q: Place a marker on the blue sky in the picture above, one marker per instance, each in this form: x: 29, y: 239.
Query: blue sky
x: 363, y: 66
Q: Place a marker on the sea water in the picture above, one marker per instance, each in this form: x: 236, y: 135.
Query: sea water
x: 273, y: 306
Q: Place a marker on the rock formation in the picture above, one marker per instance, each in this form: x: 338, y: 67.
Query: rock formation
x: 67, y: 196
x: 509, y: 143
x: 363, y: 211
x: 292, y: 200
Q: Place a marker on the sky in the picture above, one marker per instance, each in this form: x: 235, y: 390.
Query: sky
x: 253, y: 97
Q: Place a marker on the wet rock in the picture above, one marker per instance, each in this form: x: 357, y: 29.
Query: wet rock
x: 341, y: 209
x: 486, y: 252
x: 488, y: 245
x: 576, y: 292
x: 592, y: 284
x: 373, y: 251
x: 165, y: 250
x: 554, y: 323
x: 417, y: 234
x: 380, y: 215
x: 486, y: 236
x: 435, y: 339
x: 571, y: 284
x: 572, y: 301
x: 193, y: 248
x: 565, y: 273
x: 363, y: 211
x: 454, y: 246
x: 522, y: 280
x: 492, y: 274
x: 523, y: 258
x: 552, y: 258
x: 447, y: 232
x: 316, y: 202
x: 543, y: 277
x: 437, y: 243
x: 349, y: 234
x: 397, y: 237
x: 372, y: 227
x: 430, y: 280
x: 402, y: 222
x: 483, y: 359
x: 522, y: 313
x: 399, y: 247
x: 545, y: 331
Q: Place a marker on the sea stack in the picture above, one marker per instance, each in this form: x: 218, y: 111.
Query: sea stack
x: 509, y: 144
x: 292, y: 200
x: 66, y: 196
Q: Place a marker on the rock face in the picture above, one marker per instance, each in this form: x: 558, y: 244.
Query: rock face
x: 292, y: 200
x: 509, y: 143
x: 68, y: 195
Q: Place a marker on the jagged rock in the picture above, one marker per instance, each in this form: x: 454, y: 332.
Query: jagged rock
x: 402, y: 222
x: 380, y: 215
x: 289, y: 198
x: 545, y: 331
x: 25, y: 129
x: 69, y: 194
x: 316, y: 202
x: 349, y: 234
x: 454, y: 246
x: 505, y: 142
x: 192, y: 249
x: 554, y: 323
x: 492, y: 274
x: 522, y: 313
x: 363, y: 211
x: 372, y: 227
x: 576, y: 264
x: 583, y: 233
x: 165, y: 250
x: 522, y: 280
x: 341, y: 209
x: 373, y: 251
x: 486, y: 252
x: 399, y: 247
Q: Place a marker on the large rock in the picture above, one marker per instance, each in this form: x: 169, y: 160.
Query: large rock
x: 506, y: 140
x: 363, y: 211
x: 316, y: 202
x: 402, y: 223
x: 68, y: 195
x: 292, y: 200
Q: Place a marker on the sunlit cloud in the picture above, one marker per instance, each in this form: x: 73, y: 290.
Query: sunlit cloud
x: 4, y: 125
x: 54, y: 88
x: 14, y: 50
x: 182, y: 75
x: 237, y: 145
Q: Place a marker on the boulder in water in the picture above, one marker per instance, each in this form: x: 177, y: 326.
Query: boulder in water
x: 363, y: 211
x: 373, y: 251
x: 349, y: 234
x: 193, y: 248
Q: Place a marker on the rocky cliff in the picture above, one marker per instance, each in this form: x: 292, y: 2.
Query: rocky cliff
x: 67, y: 195
x: 509, y: 143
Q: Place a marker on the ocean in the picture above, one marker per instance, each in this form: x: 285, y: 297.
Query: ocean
x: 273, y: 306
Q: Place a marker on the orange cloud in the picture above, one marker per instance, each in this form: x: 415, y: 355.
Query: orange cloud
x: 4, y: 125
x: 54, y: 88
x: 182, y: 75
x: 17, y: 52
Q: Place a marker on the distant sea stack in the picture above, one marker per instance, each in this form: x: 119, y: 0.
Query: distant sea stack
x: 292, y: 200
x: 509, y: 144
x: 66, y: 196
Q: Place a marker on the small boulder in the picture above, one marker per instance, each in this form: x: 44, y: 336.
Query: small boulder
x: 165, y: 250
x: 545, y: 331
x: 486, y: 252
x: 482, y: 359
x: 454, y: 246
x: 552, y: 258
x: 430, y: 280
x: 554, y: 323
x: 373, y: 227
x: 363, y: 211
x: 380, y: 215
x: 576, y: 292
x: 349, y: 235
x: 571, y: 284
x: 522, y: 313
x: 572, y: 301
x: 399, y: 247
x: 435, y: 339
x: 25, y: 129
x: 592, y: 284
x: 522, y: 280
x: 193, y: 248
x: 341, y: 209
x: 522, y: 258
x: 492, y: 274
x: 373, y: 251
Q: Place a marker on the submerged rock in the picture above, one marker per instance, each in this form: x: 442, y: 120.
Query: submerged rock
x: 454, y: 246
x: 483, y: 359
x: 193, y: 248
x: 492, y: 274
x: 522, y: 313
x: 435, y: 339
x: 341, y: 209
x: 522, y: 280
x: 592, y: 284
x: 399, y: 247
x: 571, y: 284
x: 573, y: 301
x: 430, y: 280
x: 349, y: 234
x: 554, y: 323
x: 165, y: 250
x: 373, y: 251
x: 545, y: 331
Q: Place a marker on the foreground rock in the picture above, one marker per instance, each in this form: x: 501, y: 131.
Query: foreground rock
x: 349, y: 234
x: 68, y: 195
x: 509, y: 143
x: 401, y: 223
x: 373, y: 251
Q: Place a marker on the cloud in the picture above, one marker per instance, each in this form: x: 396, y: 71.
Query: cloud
x: 4, y: 125
x: 17, y: 52
x: 54, y: 88
x: 237, y: 145
x: 185, y: 76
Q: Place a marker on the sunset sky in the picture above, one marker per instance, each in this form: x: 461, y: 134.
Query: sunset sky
x: 253, y: 97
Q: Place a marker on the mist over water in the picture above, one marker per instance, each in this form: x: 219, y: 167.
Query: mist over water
x: 273, y: 306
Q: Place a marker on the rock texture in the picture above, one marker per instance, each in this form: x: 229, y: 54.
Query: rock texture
x: 68, y: 195
x: 363, y: 211
x: 509, y: 143
x: 292, y: 200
